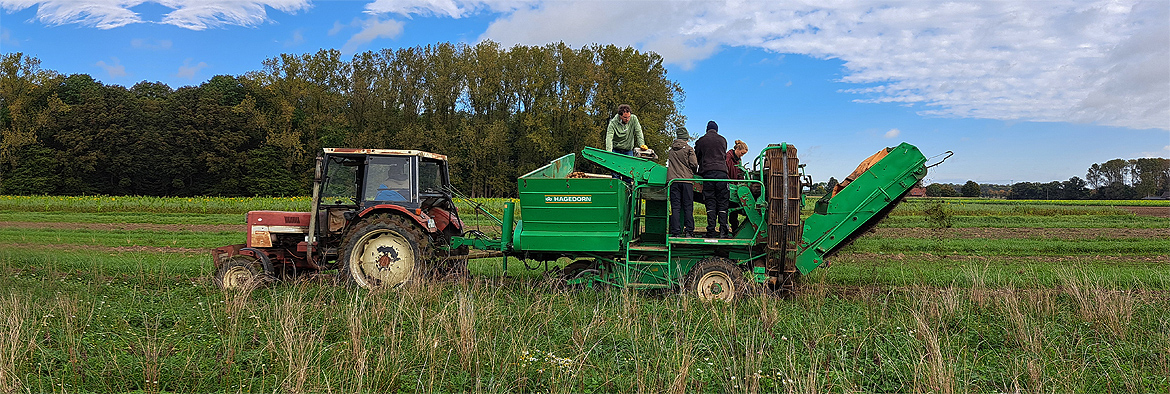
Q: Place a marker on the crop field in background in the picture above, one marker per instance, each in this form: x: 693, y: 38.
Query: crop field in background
x: 113, y: 294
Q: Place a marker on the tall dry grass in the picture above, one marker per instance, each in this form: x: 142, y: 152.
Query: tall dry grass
x: 358, y: 351
x: 465, y: 316
x: 295, y: 342
x: 17, y: 336
x: 231, y: 315
x: 935, y: 371
x: 74, y: 320
x: 1109, y: 308
x: 151, y: 348
x: 1028, y: 331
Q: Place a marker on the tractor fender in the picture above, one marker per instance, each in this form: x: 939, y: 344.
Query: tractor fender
x: 444, y: 219
x: 426, y: 222
x: 264, y: 260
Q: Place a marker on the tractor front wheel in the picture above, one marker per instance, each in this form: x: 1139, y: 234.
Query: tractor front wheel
x: 384, y: 252
x: 240, y: 271
x: 716, y: 278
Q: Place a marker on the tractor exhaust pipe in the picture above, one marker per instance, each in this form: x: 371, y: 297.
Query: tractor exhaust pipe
x: 312, y: 237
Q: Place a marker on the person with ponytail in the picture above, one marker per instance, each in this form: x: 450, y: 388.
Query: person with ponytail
x: 734, y: 160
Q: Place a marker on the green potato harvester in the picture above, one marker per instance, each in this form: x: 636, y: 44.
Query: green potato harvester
x: 616, y: 233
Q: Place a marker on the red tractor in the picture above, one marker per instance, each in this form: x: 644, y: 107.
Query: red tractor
x: 378, y: 216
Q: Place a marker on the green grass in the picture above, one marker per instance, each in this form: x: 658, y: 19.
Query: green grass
x: 891, y: 314
x: 119, y: 323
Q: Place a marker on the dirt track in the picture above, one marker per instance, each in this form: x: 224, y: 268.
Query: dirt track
x: 976, y: 232
x: 127, y: 226
x: 110, y: 249
x: 1161, y: 212
x: 1024, y: 232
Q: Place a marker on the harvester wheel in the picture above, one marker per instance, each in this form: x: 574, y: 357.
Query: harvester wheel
x: 716, y: 278
x: 576, y: 268
x: 240, y: 271
x: 384, y: 252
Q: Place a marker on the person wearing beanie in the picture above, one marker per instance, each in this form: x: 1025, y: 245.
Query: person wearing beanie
x: 709, y: 150
x: 681, y: 162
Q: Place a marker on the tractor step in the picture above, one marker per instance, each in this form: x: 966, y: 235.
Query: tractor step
x: 647, y: 263
x: 651, y: 248
x: 648, y: 285
x: 710, y: 241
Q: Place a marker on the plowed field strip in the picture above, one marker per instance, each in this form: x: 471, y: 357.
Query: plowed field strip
x: 127, y: 226
x: 1162, y: 212
x: 107, y: 249
x: 1024, y: 232
x: 965, y: 233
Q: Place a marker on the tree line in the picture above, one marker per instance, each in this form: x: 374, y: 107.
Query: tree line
x: 1116, y: 179
x: 495, y: 112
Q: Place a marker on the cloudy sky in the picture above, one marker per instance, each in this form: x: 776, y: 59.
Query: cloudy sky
x: 1019, y: 90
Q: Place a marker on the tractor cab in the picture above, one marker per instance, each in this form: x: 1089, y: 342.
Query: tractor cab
x: 358, y: 183
x: 361, y: 179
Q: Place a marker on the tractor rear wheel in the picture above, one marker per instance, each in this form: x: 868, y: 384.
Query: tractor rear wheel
x: 716, y: 278
x: 384, y: 252
x: 240, y: 271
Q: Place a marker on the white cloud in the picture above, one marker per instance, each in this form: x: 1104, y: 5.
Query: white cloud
x: 6, y: 38
x: 188, y: 71
x: 1101, y: 61
x: 190, y: 14
x: 1164, y: 153
x: 298, y: 38
x: 142, y: 43
x: 372, y: 28
x: 338, y: 27
x: 892, y: 133
x: 201, y: 14
x: 114, y: 70
x: 448, y: 8
x: 102, y: 14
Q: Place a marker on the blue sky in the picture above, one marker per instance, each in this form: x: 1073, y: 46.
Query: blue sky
x: 1020, y: 91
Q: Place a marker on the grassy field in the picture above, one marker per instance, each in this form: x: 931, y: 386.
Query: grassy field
x: 114, y: 294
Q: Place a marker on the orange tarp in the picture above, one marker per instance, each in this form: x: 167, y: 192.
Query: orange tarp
x: 861, y: 168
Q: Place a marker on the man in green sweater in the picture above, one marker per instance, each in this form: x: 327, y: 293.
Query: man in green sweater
x: 624, y: 132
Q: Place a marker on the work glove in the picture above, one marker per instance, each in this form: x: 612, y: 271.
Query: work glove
x: 644, y: 147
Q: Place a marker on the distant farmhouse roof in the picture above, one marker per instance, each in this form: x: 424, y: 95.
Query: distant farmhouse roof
x: 918, y: 192
x: 1164, y: 196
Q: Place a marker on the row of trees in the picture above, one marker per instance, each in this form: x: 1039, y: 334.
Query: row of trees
x: 1116, y: 179
x: 495, y: 112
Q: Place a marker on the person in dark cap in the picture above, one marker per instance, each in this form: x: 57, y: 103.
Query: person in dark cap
x: 681, y: 162
x: 709, y: 150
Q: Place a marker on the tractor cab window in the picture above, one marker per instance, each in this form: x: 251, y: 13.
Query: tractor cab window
x: 389, y: 179
x: 340, y: 186
x: 430, y: 177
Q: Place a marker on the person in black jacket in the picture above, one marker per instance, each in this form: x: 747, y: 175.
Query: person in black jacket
x: 709, y: 149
